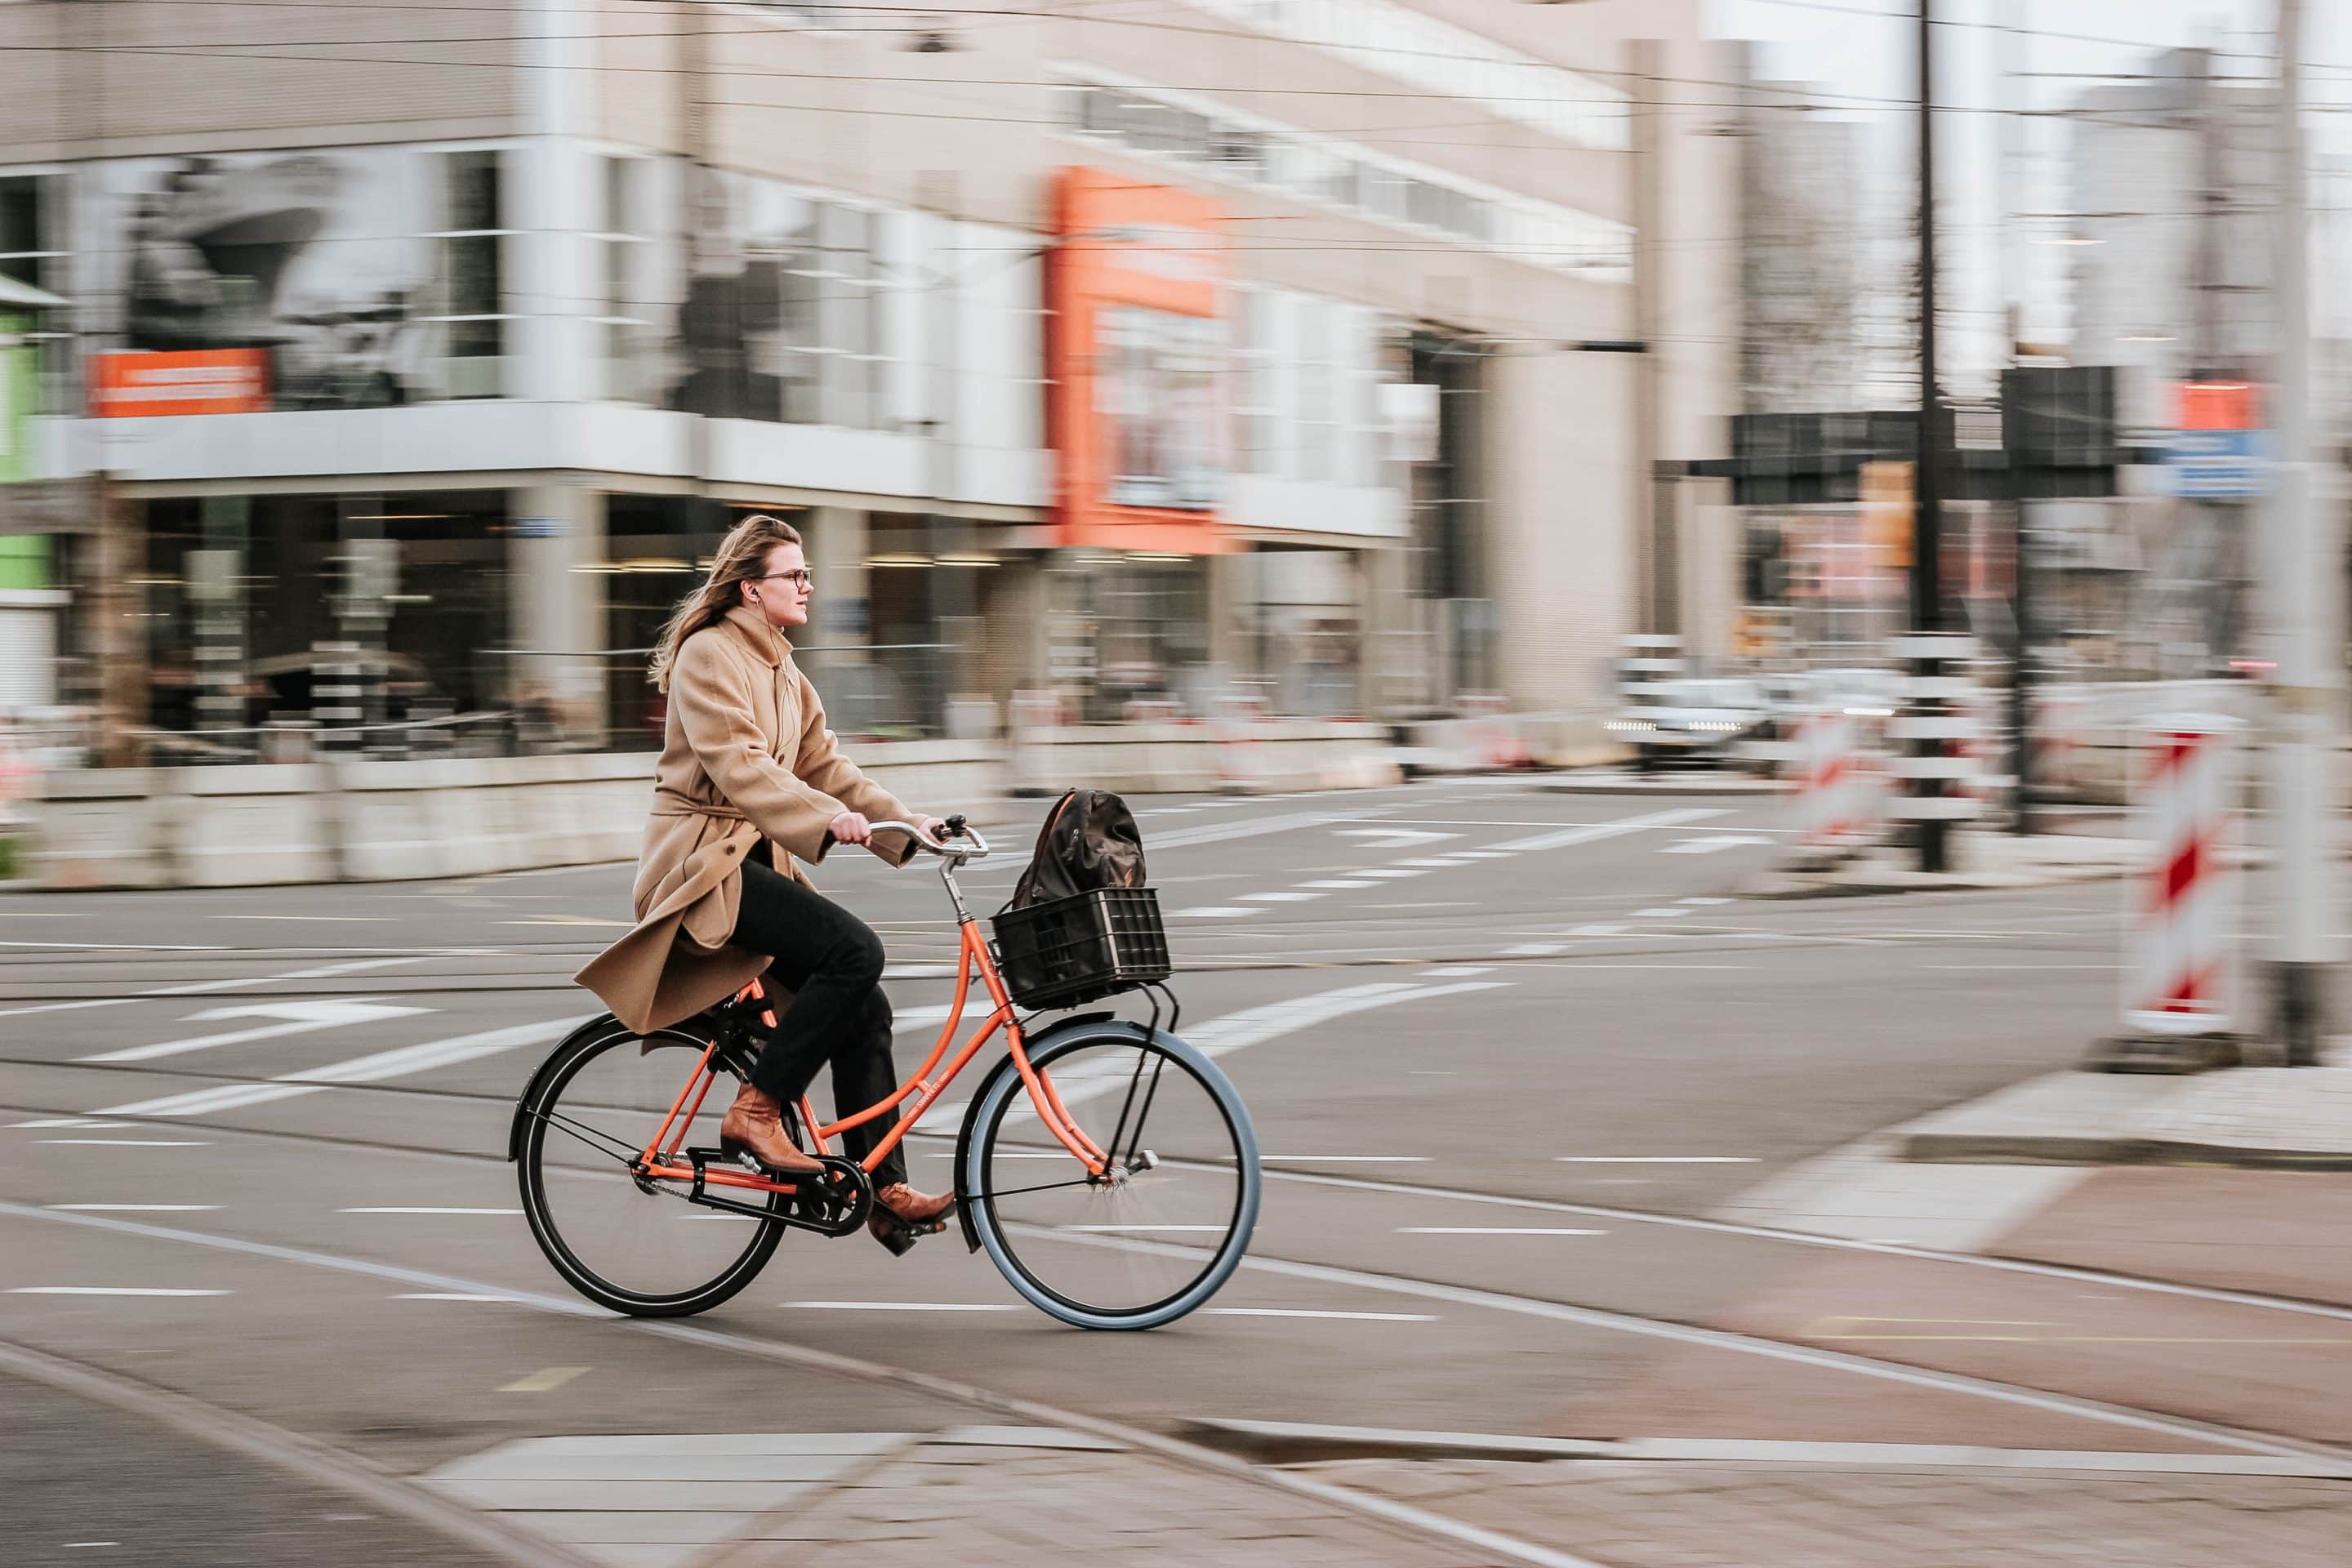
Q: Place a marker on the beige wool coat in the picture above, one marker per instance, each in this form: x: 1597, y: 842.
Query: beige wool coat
x: 746, y: 755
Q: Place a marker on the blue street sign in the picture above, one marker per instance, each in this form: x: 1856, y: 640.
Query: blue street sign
x: 2218, y: 462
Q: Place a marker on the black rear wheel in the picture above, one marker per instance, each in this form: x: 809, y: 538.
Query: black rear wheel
x: 635, y: 1245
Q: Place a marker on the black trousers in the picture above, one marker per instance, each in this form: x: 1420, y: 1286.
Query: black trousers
x: 832, y: 964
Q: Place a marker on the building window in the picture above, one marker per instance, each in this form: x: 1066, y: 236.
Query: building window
x: 32, y: 250
x: 1318, y: 400
x: 1256, y: 407
x: 473, y: 316
x: 1157, y: 392
x: 621, y: 237
x: 1313, y: 169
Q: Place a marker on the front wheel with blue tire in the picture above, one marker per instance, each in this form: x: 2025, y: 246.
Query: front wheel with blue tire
x: 1158, y: 1234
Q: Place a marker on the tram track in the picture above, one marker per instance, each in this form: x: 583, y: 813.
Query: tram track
x: 1585, y: 1314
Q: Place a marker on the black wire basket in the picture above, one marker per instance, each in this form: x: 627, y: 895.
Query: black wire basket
x: 1069, y: 951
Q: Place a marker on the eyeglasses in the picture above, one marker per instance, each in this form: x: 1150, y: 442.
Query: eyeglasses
x: 799, y: 577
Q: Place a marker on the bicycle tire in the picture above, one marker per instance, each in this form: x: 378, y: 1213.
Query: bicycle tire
x: 1006, y: 1091
x: 541, y: 1101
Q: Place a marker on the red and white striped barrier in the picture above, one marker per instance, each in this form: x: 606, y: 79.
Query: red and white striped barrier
x: 1838, y: 801
x: 2177, y: 968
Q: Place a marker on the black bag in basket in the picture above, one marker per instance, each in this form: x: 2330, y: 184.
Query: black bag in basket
x: 1089, y: 841
x: 1081, y: 924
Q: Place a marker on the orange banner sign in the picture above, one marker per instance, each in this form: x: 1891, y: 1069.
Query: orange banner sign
x: 201, y: 381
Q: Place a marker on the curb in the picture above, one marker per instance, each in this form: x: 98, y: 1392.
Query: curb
x: 2033, y: 1149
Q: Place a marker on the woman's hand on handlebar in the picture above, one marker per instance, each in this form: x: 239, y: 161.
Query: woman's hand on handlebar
x: 850, y: 827
x: 936, y: 828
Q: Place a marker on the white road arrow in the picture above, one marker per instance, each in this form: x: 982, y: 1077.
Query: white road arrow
x: 1393, y: 837
x: 300, y: 1018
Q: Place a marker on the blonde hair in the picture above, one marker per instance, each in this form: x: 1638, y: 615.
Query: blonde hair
x: 742, y: 555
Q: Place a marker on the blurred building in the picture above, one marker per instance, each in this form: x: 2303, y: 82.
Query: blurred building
x: 1251, y: 354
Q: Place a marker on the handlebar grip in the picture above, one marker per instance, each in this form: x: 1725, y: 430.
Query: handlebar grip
x: 953, y: 826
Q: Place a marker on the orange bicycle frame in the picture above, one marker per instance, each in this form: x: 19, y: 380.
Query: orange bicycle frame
x: 916, y: 1094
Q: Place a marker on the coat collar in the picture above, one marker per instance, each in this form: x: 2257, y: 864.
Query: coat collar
x: 762, y: 638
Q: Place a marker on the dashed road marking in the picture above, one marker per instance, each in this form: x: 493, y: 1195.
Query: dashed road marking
x: 1288, y: 896
x: 544, y: 1381
x: 204, y: 987
x: 1655, y: 1159
x: 295, y: 1018
x: 1660, y: 913
x: 134, y: 1209
x: 1535, y: 949
x: 108, y: 1290
x: 1709, y: 846
x: 1214, y: 911
x: 402, y: 1208
x: 1495, y: 1230
x: 130, y: 1142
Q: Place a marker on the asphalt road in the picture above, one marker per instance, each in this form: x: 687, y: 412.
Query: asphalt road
x: 254, y: 1151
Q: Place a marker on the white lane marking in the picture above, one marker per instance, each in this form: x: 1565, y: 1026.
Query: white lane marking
x: 1600, y: 830
x: 203, y: 987
x: 905, y: 1018
x: 1655, y: 1159
x: 1355, y: 1159
x: 1429, y: 865
x: 450, y: 1296
x: 135, y: 1208
x: 127, y: 946
x: 1125, y: 1229
x: 130, y: 1142
x: 1215, y: 912
x: 902, y: 1306
x: 69, y: 1121
x: 1709, y: 846
x: 1290, y: 897
x: 403, y: 1062
x: 300, y: 1018
x: 1336, y: 886
x: 1535, y: 949
x: 1393, y: 837
x: 401, y: 1208
x: 1315, y: 1312
x: 1702, y: 902
x: 1455, y: 971
x: 1658, y: 914
x: 1482, y: 854
x: 1219, y: 832
x: 1390, y: 873
x: 918, y: 971
x: 107, y: 1290
x: 308, y: 920
x: 1596, y: 931
x: 1495, y: 1230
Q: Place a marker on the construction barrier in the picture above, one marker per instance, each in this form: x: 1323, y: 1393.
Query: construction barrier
x: 1839, y: 800
x: 2177, y: 966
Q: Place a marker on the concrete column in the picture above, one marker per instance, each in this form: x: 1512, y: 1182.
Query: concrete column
x: 1383, y: 618
x: 557, y: 617
x: 835, y: 539
x: 1232, y: 617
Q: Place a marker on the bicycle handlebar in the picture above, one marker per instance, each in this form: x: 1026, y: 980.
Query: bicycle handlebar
x: 975, y: 849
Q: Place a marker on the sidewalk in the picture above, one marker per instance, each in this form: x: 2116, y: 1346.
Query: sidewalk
x: 2257, y: 1118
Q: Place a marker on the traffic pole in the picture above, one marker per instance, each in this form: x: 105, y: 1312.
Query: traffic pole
x: 1929, y: 802
x: 2302, y: 574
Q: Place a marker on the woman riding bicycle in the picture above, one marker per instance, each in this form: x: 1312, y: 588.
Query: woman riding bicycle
x: 750, y: 782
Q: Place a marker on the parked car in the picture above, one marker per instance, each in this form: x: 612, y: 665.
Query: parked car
x: 1699, y: 722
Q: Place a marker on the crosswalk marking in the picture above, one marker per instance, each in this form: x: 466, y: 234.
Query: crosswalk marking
x: 296, y: 1018
x: 403, y: 1062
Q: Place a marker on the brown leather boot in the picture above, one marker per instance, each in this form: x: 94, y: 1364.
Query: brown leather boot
x: 754, y: 1124
x: 902, y: 1215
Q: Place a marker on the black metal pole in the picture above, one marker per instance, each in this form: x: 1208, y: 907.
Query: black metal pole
x: 1927, y: 589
